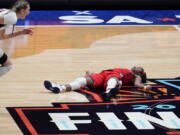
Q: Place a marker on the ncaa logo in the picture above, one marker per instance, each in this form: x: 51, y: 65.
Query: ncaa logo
x: 152, y: 115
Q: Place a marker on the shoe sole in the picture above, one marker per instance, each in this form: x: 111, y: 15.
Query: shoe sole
x: 48, y: 86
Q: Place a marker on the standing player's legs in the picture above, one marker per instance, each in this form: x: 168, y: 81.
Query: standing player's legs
x: 5, y: 62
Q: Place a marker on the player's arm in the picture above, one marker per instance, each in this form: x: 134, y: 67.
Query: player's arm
x: 138, y: 83
x: 14, y: 34
x: 10, y: 19
x: 11, y: 35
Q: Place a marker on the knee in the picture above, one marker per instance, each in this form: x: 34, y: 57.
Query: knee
x: 82, y: 81
x: 78, y: 83
x: 112, y: 83
x: 90, y: 82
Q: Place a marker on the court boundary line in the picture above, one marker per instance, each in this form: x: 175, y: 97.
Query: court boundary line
x: 85, y: 25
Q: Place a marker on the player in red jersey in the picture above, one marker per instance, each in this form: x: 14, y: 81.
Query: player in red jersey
x: 111, y: 80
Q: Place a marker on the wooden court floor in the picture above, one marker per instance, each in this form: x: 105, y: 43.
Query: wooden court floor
x: 63, y: 53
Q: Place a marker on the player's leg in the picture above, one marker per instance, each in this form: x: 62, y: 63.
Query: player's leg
x: 74, y: 85
x: 113, y: 85
x: 6, y: 63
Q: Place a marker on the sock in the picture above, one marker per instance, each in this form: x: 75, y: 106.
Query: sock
x: 63, y: 88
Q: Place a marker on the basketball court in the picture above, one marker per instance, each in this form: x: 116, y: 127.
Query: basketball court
x: 61, y: 53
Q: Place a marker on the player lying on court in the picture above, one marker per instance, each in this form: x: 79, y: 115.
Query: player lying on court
x: 111, y: 80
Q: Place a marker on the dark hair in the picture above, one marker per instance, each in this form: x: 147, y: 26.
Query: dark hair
x: 141, y: 73
x: 20, y: 4
x: 138, y: 71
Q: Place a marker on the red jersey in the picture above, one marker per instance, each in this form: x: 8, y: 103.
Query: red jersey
x: 125, y: 75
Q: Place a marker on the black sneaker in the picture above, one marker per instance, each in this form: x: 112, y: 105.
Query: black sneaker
x: 111, y: 94
x: 106, y: 96
x: 51, y: 87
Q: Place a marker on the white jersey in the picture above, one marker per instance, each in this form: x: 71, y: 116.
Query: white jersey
x: 9, y: 16
x: 10, y: 19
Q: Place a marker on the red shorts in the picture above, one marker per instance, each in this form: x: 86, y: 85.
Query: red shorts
x: 100, y: 80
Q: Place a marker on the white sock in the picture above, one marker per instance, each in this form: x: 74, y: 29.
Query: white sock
x: 4, y: 69
x: 78, y: 83
x: 63, y: 88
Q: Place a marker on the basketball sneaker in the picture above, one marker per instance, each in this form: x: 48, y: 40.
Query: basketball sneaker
x: 53, y: 87
x: 111, y: 94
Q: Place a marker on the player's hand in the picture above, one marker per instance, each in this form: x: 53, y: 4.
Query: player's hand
x: 28, y: 31
x: 88, y: 73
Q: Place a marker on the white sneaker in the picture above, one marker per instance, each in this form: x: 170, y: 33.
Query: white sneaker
x: 53, y: 87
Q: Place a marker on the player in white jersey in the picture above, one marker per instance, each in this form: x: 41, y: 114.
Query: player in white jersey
x: 9, y: 17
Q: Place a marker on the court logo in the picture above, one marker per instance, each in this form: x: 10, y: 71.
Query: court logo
x: 103, y: 17
x: 116, y: 18
x: 81, y: 19
x: 157, y: 115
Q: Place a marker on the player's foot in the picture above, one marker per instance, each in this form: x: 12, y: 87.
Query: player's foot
x: 53, y: 87
x: 110, y: 94
x: 106, y: 96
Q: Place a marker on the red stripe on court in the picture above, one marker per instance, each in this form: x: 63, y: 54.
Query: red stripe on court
x: 173, y: 133
x: 95, y: 96
x: 26, y: 121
